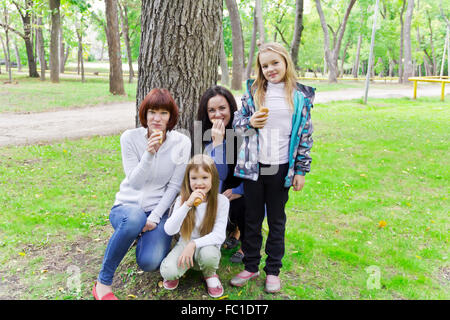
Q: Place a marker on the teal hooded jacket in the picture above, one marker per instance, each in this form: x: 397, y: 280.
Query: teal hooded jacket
x: 300, y: 144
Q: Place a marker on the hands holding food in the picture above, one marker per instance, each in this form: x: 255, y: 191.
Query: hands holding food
x: 196, y: 198
x: 259, y: 118
x: 154, y: 141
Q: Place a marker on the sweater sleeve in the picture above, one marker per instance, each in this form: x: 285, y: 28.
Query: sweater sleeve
x: 136, y: 170
x: 218, y: 234
x: 174, y: 222
x: 174, y: 185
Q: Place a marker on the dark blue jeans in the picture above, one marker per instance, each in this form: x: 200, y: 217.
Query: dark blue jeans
x: 152, y: 247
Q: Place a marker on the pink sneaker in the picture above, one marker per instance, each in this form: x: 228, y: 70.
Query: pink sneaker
x: 215, y: 288
x: 243, y: 277
x: 171, y: 284
x: 273, y: 284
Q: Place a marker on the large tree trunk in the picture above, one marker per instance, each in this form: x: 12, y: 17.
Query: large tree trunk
x: 238, y: 48
x: 54, y: 43
x: 433, y: 53
x: 179, y: 51
x: 40, y: 47
x: 298, y: 28
x: 115, y: 60
x: 80, y: 52
x: 409, y: 69
x: 126, y: 37
x: 331, y: 54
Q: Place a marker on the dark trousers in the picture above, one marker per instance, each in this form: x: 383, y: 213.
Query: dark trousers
x: 236, y: 216
x: 268, y: 190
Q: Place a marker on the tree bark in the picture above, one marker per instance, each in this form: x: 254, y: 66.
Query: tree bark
x: 180, y: 52
x: 54, y: 43
x: 115, y: 60
x: 238, y: 48
x: 331, y: 54
x: 298, y: 28
x: 409, y: 69
x: 62, y: 51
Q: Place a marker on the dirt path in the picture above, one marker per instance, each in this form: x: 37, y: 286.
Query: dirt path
x: 44, y: 127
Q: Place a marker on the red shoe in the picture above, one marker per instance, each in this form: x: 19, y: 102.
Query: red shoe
x: 108, y: 296
x: 171, y: 284
x: 217, y: 291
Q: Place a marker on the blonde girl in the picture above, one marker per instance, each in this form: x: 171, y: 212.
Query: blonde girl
x: 202, y: 228
x: 275, y: 120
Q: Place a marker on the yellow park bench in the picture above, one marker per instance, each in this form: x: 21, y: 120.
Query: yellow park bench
x: 443, y: 80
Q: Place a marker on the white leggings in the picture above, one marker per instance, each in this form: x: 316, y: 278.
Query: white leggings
x: 206, y: 259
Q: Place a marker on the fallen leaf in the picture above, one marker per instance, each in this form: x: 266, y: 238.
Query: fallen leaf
x: 23, y: 254
x: 382, y: 224
x: 160, y: 284
x: 239, y: 294
x: 44, y: 271
x: 418, y: 257
x: 132, y: 296
x: 223, y: 297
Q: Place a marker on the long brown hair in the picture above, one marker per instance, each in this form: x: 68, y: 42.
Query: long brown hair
x: 259, y: 86
x: 207, y: 164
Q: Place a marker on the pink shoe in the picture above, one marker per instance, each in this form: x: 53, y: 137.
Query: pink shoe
x: 273, y: 284
x: 243, y: 277
x: 171, y: 284
x: 214, y: 291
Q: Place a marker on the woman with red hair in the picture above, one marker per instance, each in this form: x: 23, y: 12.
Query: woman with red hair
x: 154, y: 159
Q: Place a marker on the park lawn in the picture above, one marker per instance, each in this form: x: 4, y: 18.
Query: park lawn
x: 33, y: 95
x: 375, y: 201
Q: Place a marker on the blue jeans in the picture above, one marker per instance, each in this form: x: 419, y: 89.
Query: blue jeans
x: 152, y: 247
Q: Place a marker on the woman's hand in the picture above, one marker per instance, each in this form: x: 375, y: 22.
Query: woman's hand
x: 230, y: 195
x: 154, y: 142
x: 299, y: 182
x: 217, y: 132
x: 259, y: 119
x: 149, y: 226
x: 194, y: 195
x: 186, y: 259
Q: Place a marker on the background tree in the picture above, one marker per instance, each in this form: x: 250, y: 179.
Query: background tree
x: 179, y: 51
x: 115, y: 60
x: 54, y: 40
x: 332, y: 53
x: 298, y: 28
x: 409, y: 71
x: 238, y: 49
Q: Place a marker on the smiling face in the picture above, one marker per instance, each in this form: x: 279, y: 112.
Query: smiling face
x: 157, y: 119
x: 200, y: 179
x: 218, y: 108
x: 273, y: 66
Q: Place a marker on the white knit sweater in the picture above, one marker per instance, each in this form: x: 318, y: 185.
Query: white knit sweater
x: 152, y: 181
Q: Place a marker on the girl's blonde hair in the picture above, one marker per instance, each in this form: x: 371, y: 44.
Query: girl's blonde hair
x: 259, y: 86
x: 207, y: 164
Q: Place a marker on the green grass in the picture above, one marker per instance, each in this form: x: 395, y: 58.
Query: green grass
x: 387, y: 161
x: 32, y: 95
